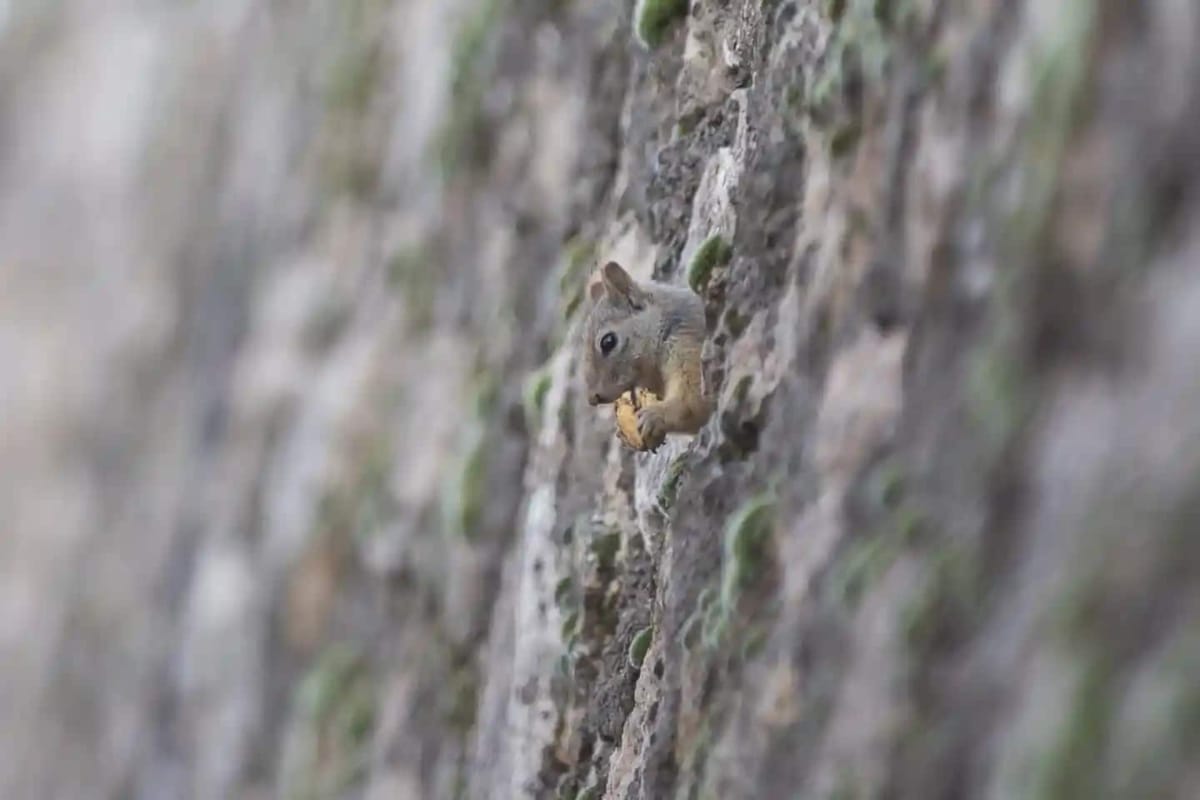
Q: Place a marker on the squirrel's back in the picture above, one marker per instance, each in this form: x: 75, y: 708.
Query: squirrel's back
x: 681, y: 321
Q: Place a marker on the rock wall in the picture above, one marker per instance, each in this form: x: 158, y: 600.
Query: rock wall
x: 300, y: 495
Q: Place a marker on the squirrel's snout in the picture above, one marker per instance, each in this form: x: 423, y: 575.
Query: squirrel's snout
x: 594, y: 399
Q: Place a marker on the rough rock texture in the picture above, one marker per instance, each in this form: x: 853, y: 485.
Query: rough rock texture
x: 300, y: 496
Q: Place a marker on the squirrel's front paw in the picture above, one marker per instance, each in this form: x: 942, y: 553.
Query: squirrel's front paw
x: 629, y: 419
x: 627, y: 433
x: 652, y: 427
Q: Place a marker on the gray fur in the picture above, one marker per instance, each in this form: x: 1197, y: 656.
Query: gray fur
x: 644, y: 317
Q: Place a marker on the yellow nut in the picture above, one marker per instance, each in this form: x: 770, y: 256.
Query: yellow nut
x: 627, y: 406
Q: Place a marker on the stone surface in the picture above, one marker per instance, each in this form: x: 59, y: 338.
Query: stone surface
x: 300, y: 495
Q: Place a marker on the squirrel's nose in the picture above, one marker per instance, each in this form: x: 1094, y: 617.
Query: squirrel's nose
x: 594, y: 399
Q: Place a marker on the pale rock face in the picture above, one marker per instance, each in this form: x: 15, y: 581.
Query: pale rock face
x: 299, y: 490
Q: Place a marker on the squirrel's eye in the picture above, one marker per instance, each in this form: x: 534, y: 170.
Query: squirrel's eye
x: 607, y: 342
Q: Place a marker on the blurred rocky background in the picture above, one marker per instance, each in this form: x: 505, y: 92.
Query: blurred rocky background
x: 300, y: 498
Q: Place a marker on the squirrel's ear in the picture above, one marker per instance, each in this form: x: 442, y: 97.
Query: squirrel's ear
x: 619, y: 284
x: 595, y: 290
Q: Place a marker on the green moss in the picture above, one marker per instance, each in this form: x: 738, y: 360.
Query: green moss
x: 337, y: 699
x: 537, y: 386
x: 909, y: 524
x: 605, y: 547
x: 1185, y: 717
x: 1074, y: 767
x: 654, y: 18
x: 824, y: 87
x: 999, y: 392
x: 695, y: 755
x: 862, y: 567
x: 404, y: 265
x: 999, y: 388
x: 578, y: 256
x: 326, y: 325
x: 1154, y: 721
x: 755, y: 642
x: 890, y: 484
x: 465, y: 490
x: 690, y: 632
x: 861, y: 43
x: 472, y: 487
x: 712, y: 253
x: 845, y: 138
x: 474, y: 473
x: 742, y: 389
x: 485, y: 391
x: 747, y: 537
x: 793, y: 98
x: 933, y: 67
x: 322, y: 689
x: 714, y: 622
x: 866, y: 38
x: 353, y: 79
x: 1059, y: 70
x: 364, y: 505
x: 346, y: 161
x: 670, y: 484
x: 461, y: 696
x: 540, y: 389
x: 567, y: 787
x: 1078, y: 613
x: 570, y: 625
x: 867, y: 560
x: 562, y: 591
x: 464, y: 142
x: 946, y: 603
x: 735, y: 322
x: 566, y: 417
x: 639, y: 646
x: 572, y: 305
x: 997, y: 395
x: 688, y: 121
x: 846, y: 787
x: 411, y: 273
x: 896, y: 16
x: 374, y: 504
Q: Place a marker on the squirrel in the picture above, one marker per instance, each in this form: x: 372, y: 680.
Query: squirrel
x: 646, y: 336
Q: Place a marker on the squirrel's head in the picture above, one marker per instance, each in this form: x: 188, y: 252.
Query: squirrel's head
x: 615, y: 335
